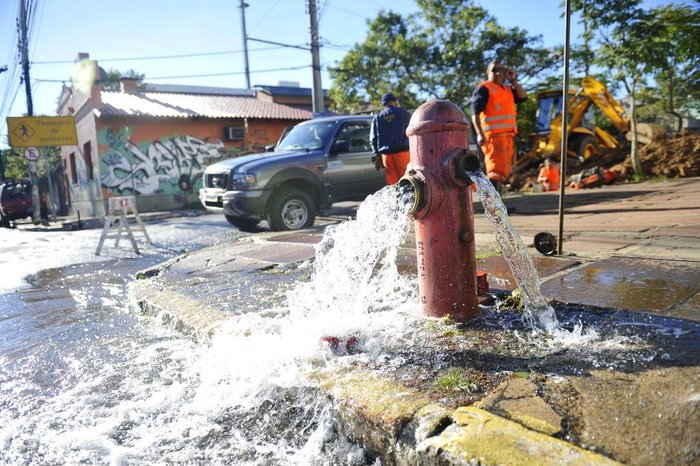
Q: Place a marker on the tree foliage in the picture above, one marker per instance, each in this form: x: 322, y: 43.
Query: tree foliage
x: 675, y: 57
x: 440, y: 52
x: 16, y: 166
x: 635, y: 45
x: 111, y: 81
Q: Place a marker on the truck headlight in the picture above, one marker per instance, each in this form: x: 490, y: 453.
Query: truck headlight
x: 244, y: 181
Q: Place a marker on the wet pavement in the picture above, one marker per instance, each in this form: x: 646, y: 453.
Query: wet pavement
x: 627, y: 289
x: 630, y: 268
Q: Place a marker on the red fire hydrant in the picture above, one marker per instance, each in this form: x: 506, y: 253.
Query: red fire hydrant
x: 442, y: 209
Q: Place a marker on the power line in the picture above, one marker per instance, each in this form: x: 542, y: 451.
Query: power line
x: 158, y: 57
x: 280, y: 44
x: 12, y: 61
x: 327, y: 43
x: 348, y: 12
x: 266, y: 15
x: 322, y: 11
x: 230, y: 73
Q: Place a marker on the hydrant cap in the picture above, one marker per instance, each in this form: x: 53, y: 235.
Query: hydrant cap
x: 545, y: 243
x: 437, y: 115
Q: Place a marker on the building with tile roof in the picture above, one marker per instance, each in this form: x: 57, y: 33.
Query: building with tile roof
x: 153, y: 141
x: 290, y: 93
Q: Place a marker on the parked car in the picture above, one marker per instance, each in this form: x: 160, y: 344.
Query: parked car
x: 16, y: 202
x: 319, y: 162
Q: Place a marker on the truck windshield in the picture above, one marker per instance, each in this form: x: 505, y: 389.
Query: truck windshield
x: 309, y: 136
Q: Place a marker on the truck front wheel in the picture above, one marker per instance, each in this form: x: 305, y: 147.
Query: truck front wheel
x: 291, y: 209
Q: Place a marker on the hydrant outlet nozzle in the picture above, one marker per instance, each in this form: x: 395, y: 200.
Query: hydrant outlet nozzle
x: 413, y: 188
x: 466, y: 163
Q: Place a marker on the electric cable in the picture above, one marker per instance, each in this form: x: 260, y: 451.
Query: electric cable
x: 348, y: 12
x: 229, y: 73
x: 265, y: 16
x: 157, y: 57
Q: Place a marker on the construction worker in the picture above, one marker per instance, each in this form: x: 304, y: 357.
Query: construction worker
x: 549, y: 176
x: 389, y: 140
x: 494, y: 118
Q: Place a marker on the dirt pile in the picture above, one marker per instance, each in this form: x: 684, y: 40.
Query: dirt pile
x: 675, y: 156
x: 671, y: 157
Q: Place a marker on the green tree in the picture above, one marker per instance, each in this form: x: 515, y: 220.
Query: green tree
x: 675, y: 58
x: 17, y: 166
x: 623, y: 31
x: 441, y: 52
x: 111, y: 81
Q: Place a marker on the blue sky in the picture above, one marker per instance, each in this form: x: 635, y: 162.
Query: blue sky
x: 112, y: 30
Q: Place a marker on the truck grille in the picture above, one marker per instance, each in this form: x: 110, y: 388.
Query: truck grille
x: 216, y: 180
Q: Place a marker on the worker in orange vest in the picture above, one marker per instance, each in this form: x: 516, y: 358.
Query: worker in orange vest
x: 549, y: 176
x: 494, y: 117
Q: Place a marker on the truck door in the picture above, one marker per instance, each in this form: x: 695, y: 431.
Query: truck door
x: 351, y: 172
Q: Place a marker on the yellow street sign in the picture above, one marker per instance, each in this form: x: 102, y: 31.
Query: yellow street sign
x: 42, y: 131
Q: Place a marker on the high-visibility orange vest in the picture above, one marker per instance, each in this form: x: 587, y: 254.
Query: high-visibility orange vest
x: 500, y: 114
x: 549, y: 174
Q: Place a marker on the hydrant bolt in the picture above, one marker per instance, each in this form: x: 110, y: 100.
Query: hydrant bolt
x: 466, y: 236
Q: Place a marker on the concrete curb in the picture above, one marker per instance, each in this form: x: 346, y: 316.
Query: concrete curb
x: 401, y: 426
x: 176, y: 311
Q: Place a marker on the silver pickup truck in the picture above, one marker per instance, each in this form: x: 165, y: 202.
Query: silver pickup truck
x: 319, y: 162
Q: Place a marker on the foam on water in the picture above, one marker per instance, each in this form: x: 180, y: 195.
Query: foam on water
x: 143, y: 394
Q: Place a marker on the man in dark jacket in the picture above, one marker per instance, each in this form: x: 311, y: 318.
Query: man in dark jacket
x: 389, y: 140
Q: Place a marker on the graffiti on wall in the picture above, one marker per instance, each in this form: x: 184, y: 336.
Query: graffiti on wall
x: 167, y: 166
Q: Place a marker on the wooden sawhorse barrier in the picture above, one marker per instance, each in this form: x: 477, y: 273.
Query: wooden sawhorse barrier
x: 119, y: 208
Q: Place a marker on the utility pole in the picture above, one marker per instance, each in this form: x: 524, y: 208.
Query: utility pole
x: 24, y: 45
x: 564, y: 124
x: 243, y: 6
x: 24, y: 53
x: 317, y: 90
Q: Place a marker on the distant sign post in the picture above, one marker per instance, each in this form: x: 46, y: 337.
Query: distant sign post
x: 42, y: 131
x: 31, y: 154
x: 34, y: 176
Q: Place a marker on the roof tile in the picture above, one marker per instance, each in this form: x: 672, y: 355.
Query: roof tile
x: 159, y: 104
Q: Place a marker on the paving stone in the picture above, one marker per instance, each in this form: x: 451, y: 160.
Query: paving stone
x: 630, y: 284
x: 596, y: 246
x: 519, y: 387
x: 480, y: 437
x: 298, y: 237
x: 689, y: 309
x: 281, y: 253
x: 645, y: 418
x: 532, y: 412
x: 500, y: 277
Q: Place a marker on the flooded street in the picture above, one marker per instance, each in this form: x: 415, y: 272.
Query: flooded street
x: 85, y: 377
x: 80, y: 370
x: 307, y: 344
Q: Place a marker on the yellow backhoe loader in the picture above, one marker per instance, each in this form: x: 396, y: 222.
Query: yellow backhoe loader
x: 585, y: 139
